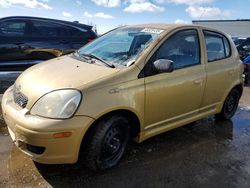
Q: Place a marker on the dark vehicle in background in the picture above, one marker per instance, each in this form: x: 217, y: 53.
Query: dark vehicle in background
x: 244, y: 47
x: 246, y: 62
x: 244, y: 51
x: 238, y: 40
x: 25, y: 41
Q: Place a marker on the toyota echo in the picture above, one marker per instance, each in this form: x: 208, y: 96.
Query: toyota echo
x: 132, y: 83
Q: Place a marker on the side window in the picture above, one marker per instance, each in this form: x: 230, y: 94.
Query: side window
x: 12, y: 28
x: 47, y: 29
x: 183, y: 48
x: 73, y: 32
x: 227, y: 47
x: 217, y: 46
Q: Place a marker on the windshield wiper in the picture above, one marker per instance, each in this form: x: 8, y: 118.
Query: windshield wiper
x: 95, y: 57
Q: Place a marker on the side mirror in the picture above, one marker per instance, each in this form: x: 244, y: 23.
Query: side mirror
x: 163, y: 65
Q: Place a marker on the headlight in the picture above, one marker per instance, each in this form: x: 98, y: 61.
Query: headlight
x: 57, y: 104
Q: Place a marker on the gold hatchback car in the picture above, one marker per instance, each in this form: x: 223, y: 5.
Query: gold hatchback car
x: 133, y: 82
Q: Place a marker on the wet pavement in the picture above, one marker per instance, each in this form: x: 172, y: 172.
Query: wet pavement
x: 207, y: 153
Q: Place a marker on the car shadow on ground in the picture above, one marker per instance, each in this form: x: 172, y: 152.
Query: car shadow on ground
x: 177, y: 158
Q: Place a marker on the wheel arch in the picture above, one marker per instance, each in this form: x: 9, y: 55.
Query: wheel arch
x: 238, y: 86
x: 133, y: 119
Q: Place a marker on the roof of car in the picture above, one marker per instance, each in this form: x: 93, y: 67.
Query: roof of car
x: 162, y: 25
x: 174, y: 26
x: 49, y: 19
x: 168, y: 26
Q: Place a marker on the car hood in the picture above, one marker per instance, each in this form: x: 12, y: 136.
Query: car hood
x: 59, y: 73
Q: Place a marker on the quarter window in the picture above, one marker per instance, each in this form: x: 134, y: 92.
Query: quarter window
x: 12, y: 28
x: 217, y: 46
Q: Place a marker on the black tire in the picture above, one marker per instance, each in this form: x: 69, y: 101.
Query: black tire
x: 106, y: 143
x: 230, y: 105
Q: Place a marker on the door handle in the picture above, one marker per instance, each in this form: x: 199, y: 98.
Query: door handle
x: 198, y: 82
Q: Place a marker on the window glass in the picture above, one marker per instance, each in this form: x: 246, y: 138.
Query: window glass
x: 227, y: 47
x: 182, y: 48
x: 121, y: 46
x: 48, y: 29
x: 74, y: 32
x: 217, y: 46
x: 12, y: 28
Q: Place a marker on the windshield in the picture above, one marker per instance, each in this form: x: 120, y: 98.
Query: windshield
x: 122, y: 46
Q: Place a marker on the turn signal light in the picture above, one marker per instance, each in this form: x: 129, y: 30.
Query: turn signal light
x: 62, y: 135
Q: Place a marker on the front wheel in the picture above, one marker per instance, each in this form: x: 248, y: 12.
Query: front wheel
x: 106, y: 143
x: 230, y: 105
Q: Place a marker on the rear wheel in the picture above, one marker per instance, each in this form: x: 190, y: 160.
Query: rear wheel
x: 230, y: 105
x: 106, y: 143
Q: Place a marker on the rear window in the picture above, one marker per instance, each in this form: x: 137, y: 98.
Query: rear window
x: 74, y: 32
x: 218, y: 46
x: 13, y: 28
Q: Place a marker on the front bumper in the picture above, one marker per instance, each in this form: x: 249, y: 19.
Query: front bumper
x: 33, y: 131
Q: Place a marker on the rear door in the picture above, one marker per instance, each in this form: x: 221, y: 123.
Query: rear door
x: 175, y: 96
x: 219, y: 69
x: 47, y: 39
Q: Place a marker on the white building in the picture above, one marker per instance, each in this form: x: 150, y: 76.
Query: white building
x: 240, y: 28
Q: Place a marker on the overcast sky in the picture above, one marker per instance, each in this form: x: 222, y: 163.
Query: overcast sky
x: 107, y: 14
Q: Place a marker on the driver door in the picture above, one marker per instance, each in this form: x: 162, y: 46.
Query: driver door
x: 173, y: 97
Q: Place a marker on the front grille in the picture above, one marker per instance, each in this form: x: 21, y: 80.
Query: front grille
x: 19, y: 98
